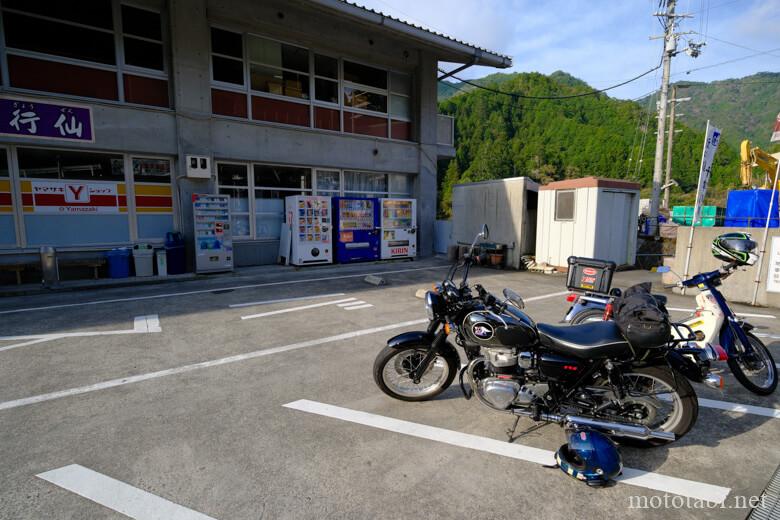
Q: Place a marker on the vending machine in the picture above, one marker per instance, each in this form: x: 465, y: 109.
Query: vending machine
x: 308, y: 222
x: 398, y: 226
x: 355, y: 229
x: 213, y: 237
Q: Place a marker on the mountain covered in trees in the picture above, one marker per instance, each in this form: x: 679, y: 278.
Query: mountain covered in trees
x: 498, y: 136
x: 743, y: 108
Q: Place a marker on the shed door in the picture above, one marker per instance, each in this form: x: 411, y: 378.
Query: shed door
x: 618, y: 224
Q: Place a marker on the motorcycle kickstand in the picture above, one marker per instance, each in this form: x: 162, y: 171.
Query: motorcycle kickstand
x: 511, y: 431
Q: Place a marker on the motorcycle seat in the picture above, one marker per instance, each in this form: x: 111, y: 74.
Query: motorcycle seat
x: 597, y: 339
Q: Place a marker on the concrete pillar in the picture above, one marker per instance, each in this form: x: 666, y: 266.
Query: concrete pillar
x: 190, y: 37
x: 425, y: 187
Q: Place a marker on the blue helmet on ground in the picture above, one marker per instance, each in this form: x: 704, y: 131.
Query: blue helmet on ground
x: 590, y: 456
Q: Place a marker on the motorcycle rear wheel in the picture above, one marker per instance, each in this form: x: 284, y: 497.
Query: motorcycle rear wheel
x: 392, y: 367
x: 588, y: 316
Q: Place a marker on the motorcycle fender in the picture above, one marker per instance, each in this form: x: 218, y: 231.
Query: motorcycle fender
x: 684, y: 366
x: 410, y: 338
x: 747, y: 327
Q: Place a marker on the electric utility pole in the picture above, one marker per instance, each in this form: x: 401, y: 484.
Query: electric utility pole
x: 670, y: 46
x: 670, y: 142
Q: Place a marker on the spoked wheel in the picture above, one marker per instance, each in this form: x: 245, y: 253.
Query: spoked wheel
x: 660, y: 400
x: 756, y: 370
x: 393, y: 368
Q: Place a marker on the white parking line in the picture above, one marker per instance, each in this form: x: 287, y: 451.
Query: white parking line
x: 141, y: 325
x: 355, y: 302
x: 284, y: 300
x: 635, y: 477
x: 118, y: 496
x: 740, y: 408
x: 296, y: 309
x: 545, y: 296
x: 356, y: 307
x: 205, y: 291
x: 197, y: 366
x: 745, y: 314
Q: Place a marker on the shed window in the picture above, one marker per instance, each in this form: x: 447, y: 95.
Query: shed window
x: 564, y: 205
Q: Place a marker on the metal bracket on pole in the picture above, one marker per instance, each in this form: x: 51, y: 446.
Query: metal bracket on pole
x: 446, y: 75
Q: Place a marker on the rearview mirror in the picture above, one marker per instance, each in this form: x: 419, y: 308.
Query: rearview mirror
x: 485, y: 233
x: 514, y: 298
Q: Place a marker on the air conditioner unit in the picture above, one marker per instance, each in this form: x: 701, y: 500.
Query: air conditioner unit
x: 198, y: 167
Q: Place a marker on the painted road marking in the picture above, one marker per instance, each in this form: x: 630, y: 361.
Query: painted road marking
x: 197, y: 366
x: 745, y: 314
x: 765, y: 335
x: 545, y: 296
x: 204, y: 291
x: 354, y: 302
x: 635, y: 477
x: 740, y: 408
x: 284, y: 300
x: 356, y: 307
x: 141, y: 325
x: 296, y: 309
x: 118, y: 496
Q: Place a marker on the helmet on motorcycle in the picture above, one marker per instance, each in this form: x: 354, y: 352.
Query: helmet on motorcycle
x: 590, y: 456
x: 735, y: 247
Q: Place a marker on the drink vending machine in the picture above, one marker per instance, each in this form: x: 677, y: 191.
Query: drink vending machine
x: 356, y: 235
x: 213, y: 237
x: 308, y: 225
x: 398, y: 227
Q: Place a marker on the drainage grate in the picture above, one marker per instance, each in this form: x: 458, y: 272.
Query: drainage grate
x: 769, y: 507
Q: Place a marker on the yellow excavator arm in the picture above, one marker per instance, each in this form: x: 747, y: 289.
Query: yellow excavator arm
x: 756, y: 158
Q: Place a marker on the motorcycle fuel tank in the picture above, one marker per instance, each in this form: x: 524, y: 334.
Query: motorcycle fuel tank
x: 488, y: 329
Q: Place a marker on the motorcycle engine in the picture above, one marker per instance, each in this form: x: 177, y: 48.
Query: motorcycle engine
x: 503, y: 384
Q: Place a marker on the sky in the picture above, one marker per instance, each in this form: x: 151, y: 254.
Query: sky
x: 605, y: 42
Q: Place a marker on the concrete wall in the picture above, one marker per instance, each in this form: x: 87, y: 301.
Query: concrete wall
x: 604, y: 227
x: 740, y: 285
x: 191, y: 128
x: 502, y: 205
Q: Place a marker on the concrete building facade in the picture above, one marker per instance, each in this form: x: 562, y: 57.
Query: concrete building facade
x: 103, y: 102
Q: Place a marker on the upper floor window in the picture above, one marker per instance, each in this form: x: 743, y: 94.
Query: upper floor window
x: 227, y: 57
x: 86, y: 48
x: 278, y: 68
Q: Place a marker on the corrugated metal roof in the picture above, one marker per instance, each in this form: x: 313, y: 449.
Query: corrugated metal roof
x: 505, y: 60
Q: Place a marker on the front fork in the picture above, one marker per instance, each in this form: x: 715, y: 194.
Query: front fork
x: 433, y: 350
x: 734, y: 338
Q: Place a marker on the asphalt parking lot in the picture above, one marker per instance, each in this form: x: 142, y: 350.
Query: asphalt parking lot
x: 251, y: 397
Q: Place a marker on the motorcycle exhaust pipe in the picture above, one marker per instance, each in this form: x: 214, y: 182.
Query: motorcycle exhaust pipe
x: 612, y: 428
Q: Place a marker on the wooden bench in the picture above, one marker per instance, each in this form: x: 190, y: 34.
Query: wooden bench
x: 17, y: 268
x: 94, y: 263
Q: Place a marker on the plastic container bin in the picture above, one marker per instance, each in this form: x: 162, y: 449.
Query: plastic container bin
x: 161, y: 258
x: 143, y: 257
x: 589, y: 275
x: 711, y: 216
x: 174, y: 251
x: 118, y: 262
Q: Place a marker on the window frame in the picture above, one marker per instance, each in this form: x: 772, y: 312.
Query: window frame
x: 573, y: 193
x: 119, y: 68
x: 312, y: 102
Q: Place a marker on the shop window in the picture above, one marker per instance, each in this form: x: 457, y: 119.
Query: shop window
x: 272, y: 185
x: 365, y: 75
x: 365, y: 183
x: 329, y: 183
x: 153, y: 197
x: 233, y: 180
x: 282, y: 177
x: 564, y: 205
x: 227, y: 57
x: 73, y: 198
x: 57, y: 38
x: 400, y: 185
x: 7, y: 227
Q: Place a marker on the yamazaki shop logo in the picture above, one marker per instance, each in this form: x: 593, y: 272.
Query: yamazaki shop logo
x: 75, y: 197
x: 77, y: 193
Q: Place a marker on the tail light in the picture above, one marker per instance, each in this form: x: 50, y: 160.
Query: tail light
x: 570, y: 298
x: 608, y: 312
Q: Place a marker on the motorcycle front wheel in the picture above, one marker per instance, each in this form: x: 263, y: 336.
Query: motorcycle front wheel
x: 393, y: 366
x: 757, y: 370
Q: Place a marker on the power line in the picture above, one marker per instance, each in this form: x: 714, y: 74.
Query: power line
x: 726, y: 62
x: 736, y: 44
x: 584, y: 94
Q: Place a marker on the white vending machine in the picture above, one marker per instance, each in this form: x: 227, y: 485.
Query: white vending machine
x: 308, y: 221
x: 213, y: 236
x: 398, y: 223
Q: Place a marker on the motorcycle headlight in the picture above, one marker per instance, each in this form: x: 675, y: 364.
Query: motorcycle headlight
x: 429, y: 305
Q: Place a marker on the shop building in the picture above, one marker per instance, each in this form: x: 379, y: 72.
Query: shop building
x: 103, y: 103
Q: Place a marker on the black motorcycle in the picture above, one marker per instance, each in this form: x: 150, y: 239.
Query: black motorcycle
x: 585, y: 375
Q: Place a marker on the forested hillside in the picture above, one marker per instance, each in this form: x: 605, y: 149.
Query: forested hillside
x: 499, y: 136
x: 743, y: 108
